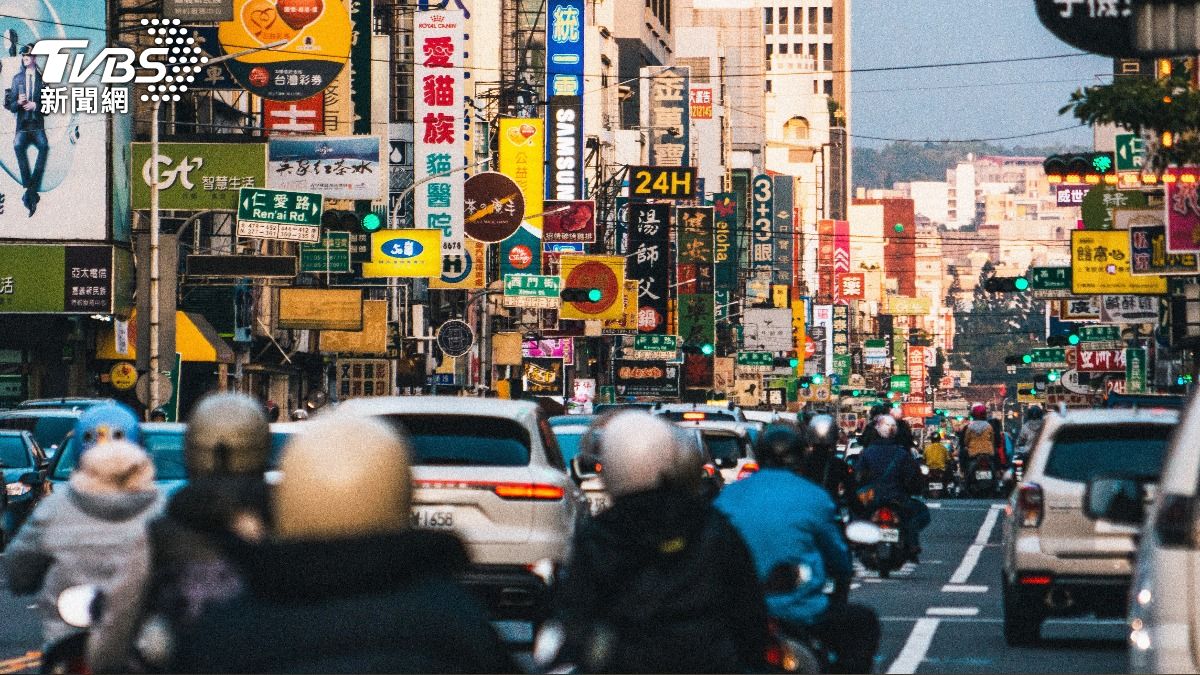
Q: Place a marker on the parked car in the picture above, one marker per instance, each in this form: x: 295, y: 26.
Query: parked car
x: 599, y: 408
x: 24, y: 468
x: 1164, y: 627
x: 1059, y: 559
x: 164, y: 442
x: 493, y: 472
x: 67, y: 403
x: 49, y: 426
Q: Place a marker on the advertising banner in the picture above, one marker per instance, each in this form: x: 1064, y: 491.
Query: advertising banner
x: 700, y: 100
x: 665, y: 114
x: 916, y: 373
x: 628, y: 323
x: 493, y: 207
x: 821, y: 332
x: 1148, y: 248
x: 851, y: 286
x: 306, y: 116
x: 605, y: 273
x: 1135, y: 370
x: 824, y: 263
x: 762, y: 233
x: 320, y: 308
x: 899, y: 305
x: 1129, y: 309
x: 564, y: 96
x: 648, y: 262
x: 522, y: 149
x: 696, y: 326
x: 438, y: 112
x: 345, y: 167
x: 782, y: 203
x: 1100, y: 264
x: 318, y: 38
x: 466, y: 271
x: 725, y: 240
x: 195, y: 176
x: 697, y: 371
x: 405, y: 253
x: 550, y: 348
x: 767, y: 330
x: 543, y: 376
x: 841, y: 330
x: 520, y: 253
x: 841, y: 251
x: 569, y: 221
x: 56, y: 279
x: 1182, y: 211
x: 1084, y: 308
x: 197, y: 11
x: 1101, y: 361
x: 646, y: 378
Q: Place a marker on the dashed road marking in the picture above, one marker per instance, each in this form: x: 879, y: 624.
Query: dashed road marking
x: 916, y: 647
x: 952, y: 611
x: 971, y: 558
x: 962, y: 588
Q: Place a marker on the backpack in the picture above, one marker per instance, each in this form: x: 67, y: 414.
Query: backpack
x: 979, y: 439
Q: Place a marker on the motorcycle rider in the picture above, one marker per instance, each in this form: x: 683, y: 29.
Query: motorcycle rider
x: 936, y: 453
x: 660, y: 581
x: 86, y: 532
x: 791, y: 527
x: 978, y: 439
x: 1030, y: 430
x: 342, y: 583
x: 226, y: 449
x: 895, y: 475
x: 821, y: 464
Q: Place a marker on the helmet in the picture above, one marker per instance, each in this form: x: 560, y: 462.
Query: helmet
x: 298, y: 415
x: 159, y: 414
x: 1034, y: 413
x: 979, y: 411
x: 227, y: 434
x: 107, y: 422
x: 639, y: 452
x: 689, y: 463
x: 822, y: 430
x: 780, y: 446
x: 879, y: 409
x: 372, y: 485
x: 885, y: 426
x: 935, y: 437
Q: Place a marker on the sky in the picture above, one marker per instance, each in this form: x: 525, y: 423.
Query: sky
x: 1019, y: 98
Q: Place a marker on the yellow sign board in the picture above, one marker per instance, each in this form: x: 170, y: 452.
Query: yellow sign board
x: 629, y: 312
x: 603, y: 273
x: 372, y: 339
x: 405, y: 253
x: 1100, y: 265
x: 320, y: 308
x: 899, y: 305
x: 799, y: 331
x: 522, y: 149
x: 1024, y: 397
x: 467, y: 270
x: 123, y: 375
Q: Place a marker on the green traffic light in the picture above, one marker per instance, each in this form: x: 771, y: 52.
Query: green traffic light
x: 1072, y: 339
x: 1052, y: 376
x: 818, y: 379
x: 371, y: 222
x: 1021, y: 284
x: 899, y: 227
x: 1027, y: 359
x: 594, y: 295
x: 793, y: 362
x: 854, y: 393
x: 706, y: 349
x: 1102, y: 163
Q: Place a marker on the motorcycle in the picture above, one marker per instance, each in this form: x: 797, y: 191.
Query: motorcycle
x: 981, y: 477
x: 78, y: 606
x: 1015, y: 473
x: 936, y: 485
x: 888, y: 552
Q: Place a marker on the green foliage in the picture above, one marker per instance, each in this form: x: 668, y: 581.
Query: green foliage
x: 997, y: 324
x: 904, y: 162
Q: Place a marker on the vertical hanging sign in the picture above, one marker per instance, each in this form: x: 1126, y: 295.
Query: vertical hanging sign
x: 762, y: 252
x: 666, y: 115
x: 725, y: 229
x: 648, y: 262
x: 438, y: 68
x: 564, y: 97
x: 781, y: 209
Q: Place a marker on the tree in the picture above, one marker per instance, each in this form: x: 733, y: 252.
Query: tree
x: 995, y: 325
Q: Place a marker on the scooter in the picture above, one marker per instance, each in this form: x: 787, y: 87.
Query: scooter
x: 888, y: 553
x: 981, y: 477
x: 78, y: 606
x: 935, y: 482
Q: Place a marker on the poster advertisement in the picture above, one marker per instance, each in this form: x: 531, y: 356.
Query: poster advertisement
x: 649, y: 261
x: 569, y: 221
x: 646, y: 378
x: 1148, y: 248
x: 1100, y: 264
x: 1183, y: 211
x: 346, y: 167
x: 438, y: 118
x: 522, y: 146
x: 60, y: 170
x: 543, y: 377
x: 564, y: 93
x: 318, y: 39
x: 197, y: 176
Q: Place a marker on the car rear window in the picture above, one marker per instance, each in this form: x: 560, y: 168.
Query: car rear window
x: 465, y: 440
x: 165, y: 448
x: 13, y: 454
x: 569, y: 439
x: 51, y: 430
x: 722, y: 446
x: 678, y: 416
x: 1080, y: 453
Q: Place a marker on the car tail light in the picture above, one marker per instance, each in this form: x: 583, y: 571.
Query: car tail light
x: 1175, y: 523
x: 1034, y: 580
x: 1030, y: 505
x: 530, y: 491
x: 747, y: 470
x: 885, y: 516
x: 694, y: 416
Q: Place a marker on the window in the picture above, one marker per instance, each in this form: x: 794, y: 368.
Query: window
x: 812, y: 19
x: 464, y: 440
x: 797, y: 48
x: 812, y: 54
x: 769, y: 18
x: 828, y: 48
x: 783, y: 20
x: 828, y: 20
x: 550, y: 441
x: 723, y: 447
x: 797, y: 13
x: 783, y: 47
x: 13, y: 454
x: 768, y: 86
x: 1079, y: 452
x: 829, y: 87
x: 770, y: 50
x: 796, y: 129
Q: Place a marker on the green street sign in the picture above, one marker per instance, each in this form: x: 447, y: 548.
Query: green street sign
x: 1099, y: 334
x: 766, y: 359
x: 1050, y: 279
x: 901, y: 384
x: 656, y: 343
x: 842, y: 365
x: 278, y: 214
x: 1130, y: 153
x: 330, y: 255
x: 532, y: 286
x: 1054, y: 357
x: 1135, y: 370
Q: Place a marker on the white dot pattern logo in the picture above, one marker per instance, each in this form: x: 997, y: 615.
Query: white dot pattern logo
x: 181, y: 52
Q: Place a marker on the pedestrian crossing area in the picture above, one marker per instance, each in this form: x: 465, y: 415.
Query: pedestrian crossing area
x: 865, y: 575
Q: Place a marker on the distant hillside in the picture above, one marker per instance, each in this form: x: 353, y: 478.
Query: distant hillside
x: 903, y: 162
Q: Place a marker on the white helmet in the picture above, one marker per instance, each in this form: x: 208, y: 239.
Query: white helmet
x: 640, y: 452
x: 885, y: 426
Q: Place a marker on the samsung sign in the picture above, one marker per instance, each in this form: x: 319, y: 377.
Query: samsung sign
x: 564, y: 93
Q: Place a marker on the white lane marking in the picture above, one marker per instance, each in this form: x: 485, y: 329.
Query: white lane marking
x: 954, y: 588
x: 971, y: 558
x: 944, y: 619
x: 934, y: 505
x: 916, y: 647
x: 952, y: 611
x: 855, y: 585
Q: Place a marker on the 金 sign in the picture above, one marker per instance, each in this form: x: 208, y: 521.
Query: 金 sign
x: 662, y: 182
x: 665, y: 114
x: 438, y: 143
x: 1100, y: 264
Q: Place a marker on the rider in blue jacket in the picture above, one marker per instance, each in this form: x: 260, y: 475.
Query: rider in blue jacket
x: 790, y: 525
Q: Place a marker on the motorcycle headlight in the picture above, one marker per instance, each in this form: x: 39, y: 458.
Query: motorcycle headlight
x: 924, y: 470
x: 17, y: 489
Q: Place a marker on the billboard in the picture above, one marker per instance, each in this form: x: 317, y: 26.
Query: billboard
x: 197, y: 176
x: 666, y: 115
x: 1100, y: 264
x: 438, y: 117
x: 782, y: 204
x: 522, y: 149
x: 345, y: 167
x: 405, y: 253
x: 762, y: 228
x: 564, y: 99
x: 725, y: 229
x: 1182, y: 211
x: 569, y: 221
x: 62, y: 170
x: 318, y: 36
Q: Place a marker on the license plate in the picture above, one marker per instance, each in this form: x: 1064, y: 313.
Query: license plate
x: 935, y: 486
x: 983, y: 475
x: 433, y: 519
x: 598, y: 504
x: 889, y: 535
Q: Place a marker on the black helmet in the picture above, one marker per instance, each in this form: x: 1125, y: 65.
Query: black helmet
x: 780, y: 446
x: 1034, y: 413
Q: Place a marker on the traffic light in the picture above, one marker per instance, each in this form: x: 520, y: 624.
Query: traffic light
x: 576, y: 294
x: 707, y: 349
x: 346, y: 221
x: 1006, y: 285
x: 1082, y: 167
x: 371, y: 222
x: 1052, y: 376
x: 1015, y: 359
x: 818, y: 379
x: 1031, y: 390
x: 1027, y: 359
x: 793, y: 362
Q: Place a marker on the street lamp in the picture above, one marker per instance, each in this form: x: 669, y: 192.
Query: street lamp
x: 155, y: 222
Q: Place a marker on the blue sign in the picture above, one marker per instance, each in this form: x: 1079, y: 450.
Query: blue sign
x: 564, y: 98
x: 564, y: 37
x: 564, y: 247
x: 441, y: 379
x: 403, y: 248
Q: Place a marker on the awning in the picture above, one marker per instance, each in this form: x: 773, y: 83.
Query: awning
x: 195, y: 339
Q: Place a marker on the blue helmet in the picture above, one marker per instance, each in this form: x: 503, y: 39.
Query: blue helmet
x: 107, y: 422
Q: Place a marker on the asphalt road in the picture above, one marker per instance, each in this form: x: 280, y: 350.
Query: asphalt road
x: 941, y: 616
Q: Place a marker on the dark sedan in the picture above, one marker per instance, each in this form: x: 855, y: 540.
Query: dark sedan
x: 24, y: 466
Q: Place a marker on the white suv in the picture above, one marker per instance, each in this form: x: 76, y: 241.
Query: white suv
x: 1062, y: 554
x: 491, y: 471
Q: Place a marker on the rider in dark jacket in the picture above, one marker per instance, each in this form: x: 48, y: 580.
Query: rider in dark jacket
x: 895, y: 475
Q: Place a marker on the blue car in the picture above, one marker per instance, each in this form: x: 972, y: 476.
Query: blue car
x: 164, y: 442
x: 24, y: 467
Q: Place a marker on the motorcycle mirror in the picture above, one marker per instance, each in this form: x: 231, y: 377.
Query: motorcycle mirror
x: 862, y: 532
x: 75, y: 605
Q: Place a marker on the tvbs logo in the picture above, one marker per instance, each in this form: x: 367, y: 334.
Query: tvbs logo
x: 167, y: 68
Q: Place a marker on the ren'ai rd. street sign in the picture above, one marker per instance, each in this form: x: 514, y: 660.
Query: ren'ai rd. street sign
x: 279, y: 214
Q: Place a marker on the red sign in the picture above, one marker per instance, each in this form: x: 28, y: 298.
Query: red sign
x: 917, y: 410
x: 1101, y: 361
x: 701, y: 100
x: 306, y: 116
x: 810, y: 347
x: 851, y: 286
x: 520, y: 256
x: 569, y: 221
